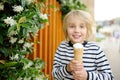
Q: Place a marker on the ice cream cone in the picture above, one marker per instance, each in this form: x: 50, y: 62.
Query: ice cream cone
x: 78, y: 51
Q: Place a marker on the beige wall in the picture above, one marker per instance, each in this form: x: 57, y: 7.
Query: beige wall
x: 90, y: 5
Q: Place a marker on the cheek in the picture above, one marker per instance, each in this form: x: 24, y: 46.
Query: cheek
x: 86, y: 33
x: 69, y: 33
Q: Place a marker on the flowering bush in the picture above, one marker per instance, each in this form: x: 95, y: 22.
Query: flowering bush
x: 20, y: 20
x: 68, y: 5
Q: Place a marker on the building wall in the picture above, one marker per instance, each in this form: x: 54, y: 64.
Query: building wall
x: 90, y: 5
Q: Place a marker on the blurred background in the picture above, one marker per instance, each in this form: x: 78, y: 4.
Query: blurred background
x: 107, y: 17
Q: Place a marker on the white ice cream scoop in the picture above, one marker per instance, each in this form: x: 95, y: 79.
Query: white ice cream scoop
x: 77, y: 45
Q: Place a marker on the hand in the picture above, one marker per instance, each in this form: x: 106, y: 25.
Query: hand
x: 80, y: 74
x: 74, y: 65
x: 77, y: 69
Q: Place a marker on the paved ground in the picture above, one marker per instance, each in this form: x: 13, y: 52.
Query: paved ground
x: 111, y: 47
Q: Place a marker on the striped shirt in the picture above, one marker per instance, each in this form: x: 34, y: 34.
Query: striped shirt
x: 94, y: 61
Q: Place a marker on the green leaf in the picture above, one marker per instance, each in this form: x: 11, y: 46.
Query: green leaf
x: 25, y: 31
x: 12, y: 28
x: 23, y: 2
x: 39, y: 63
x: 31, y: 14
x: 5, y: 51
x: 1, y: 66
x: 10, y: 64
x: 2, y: 24
x: 32, y: 21
x: 1, y: 39
x: 25, y: 25
x: 42, y: 0
x: 22, y: 19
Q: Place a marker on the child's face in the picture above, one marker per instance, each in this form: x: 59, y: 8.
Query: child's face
x: 76, y: 30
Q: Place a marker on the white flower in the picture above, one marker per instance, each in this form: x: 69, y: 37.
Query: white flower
x: 28, y: 45
x: 29, y: 78
x: 12, y: 33
x: 21, y: 40
x: 70, y: 1
x: 1, y: 6
x: 17, y: 8
x: 36, y: 30
x: 43, y: 16
x: 10, y: 21
x: 39, y: 78
x: 28, y: 65
x: 11, y: 58
x: 63, y: 1
x: 15, y: 57
x: 20, y: 78
x: 13, y: 40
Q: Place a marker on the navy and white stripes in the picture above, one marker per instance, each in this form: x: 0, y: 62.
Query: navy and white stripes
x: 94, y: 61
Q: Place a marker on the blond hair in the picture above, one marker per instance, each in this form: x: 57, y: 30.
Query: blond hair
x: 85, y: 16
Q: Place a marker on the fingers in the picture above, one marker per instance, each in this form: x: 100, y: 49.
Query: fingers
x: 78, y: 75
x: 74, y: 65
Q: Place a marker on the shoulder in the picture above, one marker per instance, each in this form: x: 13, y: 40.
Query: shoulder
x: 92, y: 45
x: 64, y: 44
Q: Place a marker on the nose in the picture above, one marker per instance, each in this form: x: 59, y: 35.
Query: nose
x: 77, y: 29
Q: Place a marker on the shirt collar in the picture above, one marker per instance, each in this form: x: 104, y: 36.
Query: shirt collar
x: 84, y: 43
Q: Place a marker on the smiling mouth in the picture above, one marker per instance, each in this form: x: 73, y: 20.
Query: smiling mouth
x: 76, y: 36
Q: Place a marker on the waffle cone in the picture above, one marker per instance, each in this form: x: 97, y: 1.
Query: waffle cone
x: 78, y: 53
